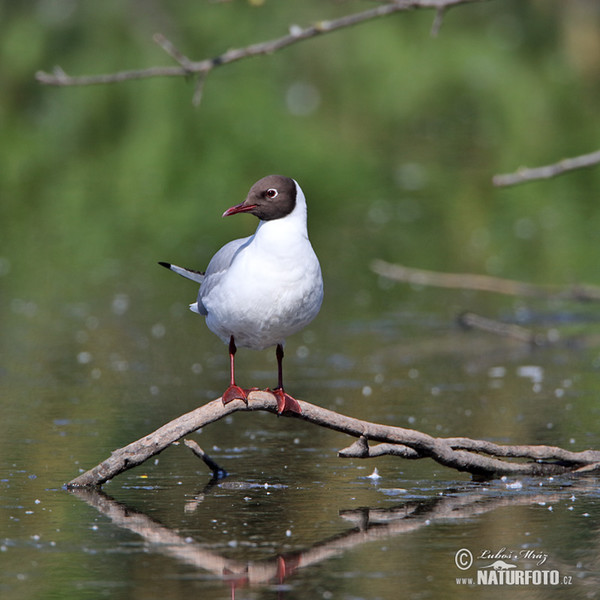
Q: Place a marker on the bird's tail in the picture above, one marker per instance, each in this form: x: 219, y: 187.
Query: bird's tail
x: 196, y: 276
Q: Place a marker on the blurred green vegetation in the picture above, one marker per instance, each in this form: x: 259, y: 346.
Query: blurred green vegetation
x: 394, y: 136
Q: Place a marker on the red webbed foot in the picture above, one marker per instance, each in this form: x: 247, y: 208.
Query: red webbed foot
x: 234, y: 392
x: 285, y: 402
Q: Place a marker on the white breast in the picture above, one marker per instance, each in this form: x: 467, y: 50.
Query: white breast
x: 272, y: 287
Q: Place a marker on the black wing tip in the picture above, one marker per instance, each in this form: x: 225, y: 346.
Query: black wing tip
x: 166, y: 265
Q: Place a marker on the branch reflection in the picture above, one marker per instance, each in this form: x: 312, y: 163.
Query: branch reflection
x: 367, y: 525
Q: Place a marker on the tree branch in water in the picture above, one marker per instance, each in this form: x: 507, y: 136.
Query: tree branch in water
x: 484, y: 460
x: 483, y: 283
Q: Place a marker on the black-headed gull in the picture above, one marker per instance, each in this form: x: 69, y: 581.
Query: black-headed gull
x: 260, y: 289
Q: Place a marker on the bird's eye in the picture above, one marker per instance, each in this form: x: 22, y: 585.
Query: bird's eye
x: 272, y: 193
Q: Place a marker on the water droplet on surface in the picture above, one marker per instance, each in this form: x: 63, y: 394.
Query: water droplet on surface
x: 374, y: 475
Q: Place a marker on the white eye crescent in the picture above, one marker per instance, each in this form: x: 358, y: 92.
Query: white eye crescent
x: 272, y: 193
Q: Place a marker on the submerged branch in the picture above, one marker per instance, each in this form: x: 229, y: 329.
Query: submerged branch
x: 470, y: 320
x: 484, y: 460
x: 217, y: 471
x: 483, y: 283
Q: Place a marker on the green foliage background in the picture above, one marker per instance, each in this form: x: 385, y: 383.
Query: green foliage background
x: 396, y: 157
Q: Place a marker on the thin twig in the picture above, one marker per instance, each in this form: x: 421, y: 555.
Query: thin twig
x: 525, y: 174
x: 203, y: 67
x: 199, y: 89
x: 480, y: 458
x: 484, y: 283
x: 217, y: 471
x: 172, y: 51
x: 438, y: 20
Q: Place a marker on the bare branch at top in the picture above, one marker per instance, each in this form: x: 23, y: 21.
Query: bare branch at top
x: 202, y: 68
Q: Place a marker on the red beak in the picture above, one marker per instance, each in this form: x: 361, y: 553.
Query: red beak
x: 239, y: 208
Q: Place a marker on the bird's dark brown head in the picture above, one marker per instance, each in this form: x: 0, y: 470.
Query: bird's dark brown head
x: 272, y: 197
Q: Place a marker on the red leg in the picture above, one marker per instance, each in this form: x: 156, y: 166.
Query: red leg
x: 285, y: 402
x: 285, y: 567
x: 233, y: 392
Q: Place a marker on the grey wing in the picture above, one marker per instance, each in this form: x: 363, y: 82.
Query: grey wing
x: 217, y: 267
